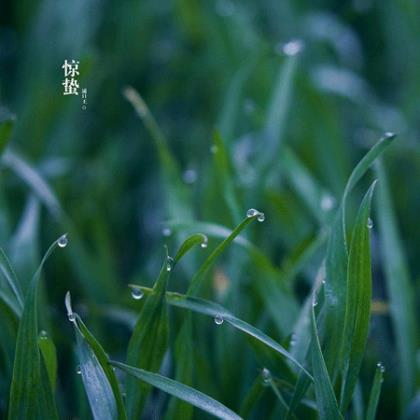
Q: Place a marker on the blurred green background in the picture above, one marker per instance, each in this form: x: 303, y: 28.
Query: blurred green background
x: 200, y: 66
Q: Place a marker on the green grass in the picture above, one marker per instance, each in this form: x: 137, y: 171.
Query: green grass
x: 170, y: 296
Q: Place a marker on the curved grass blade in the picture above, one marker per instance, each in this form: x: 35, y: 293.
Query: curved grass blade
x: 400, y: 290
x: 11, y: 279
x: 252, y: 397
x: 214, y: 310
x: 325, y: 397
x: 375, y: 392
x: 179, y: 390
x: 336, y: 263
x: 148, y: 342
x: 190, y: 242
x: 99, y: 380
x: 197, y: 279
x: 30, y: 391
x: 358, y: 300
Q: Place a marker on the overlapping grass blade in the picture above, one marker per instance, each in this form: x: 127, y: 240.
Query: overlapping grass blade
x: 11, y: 280
x: 375, y: 392
x: 358, y: 300
x: 29, y: 382
x: 149, y: 341
x: 400, y: 290
x: 188, y: 244
x: 325, y: 397
x: 99, y: 380
x: 179, y: 390
x: 336, y: 263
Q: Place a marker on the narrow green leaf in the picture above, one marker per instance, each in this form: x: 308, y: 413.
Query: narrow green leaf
x: 6, y: 128
x: 49, y: 355
x: 99, y: 380
x: 217, y: 311
x: 336, y: 263
x: 148, y: 342
x: 400, y: 290
x: 358, y: 300
x: 30, y: 392
x: 197, y: 279
x: 251, y: 399
x: 11, y: 279
x: 189, y: 243
x: 325, y: 397
x: 375, y: 392
x: 184, y: 392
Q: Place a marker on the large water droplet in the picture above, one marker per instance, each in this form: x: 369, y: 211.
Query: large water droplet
x: 292, y: 47
x: 136, y: 292
x: 389, y: 134
x: 370, y: 223
x: 62, y: 241
x: 78, y: 370
x: 43, y: 335
x: 218, y: 319
x: 254, y: 212
x: 72, y: 317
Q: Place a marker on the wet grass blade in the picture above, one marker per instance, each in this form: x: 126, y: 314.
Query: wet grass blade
x: 358, y: 300
x: 215, y: 310
x: 99, y: 380
x: 179, y: 390
x: 325, y: 397
x: 11, y: 279
x: 49, y: 355
x: 149, y: 341
x: 375, y: 392
x: 30, y: 392
x: 336, y: 262
x: 188, y: 244
x: 197, y: 279
x: 400, y: 290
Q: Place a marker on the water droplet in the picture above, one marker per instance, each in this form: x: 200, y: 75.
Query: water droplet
x: 62, y: 241
x: 314, y: 303
x: 189, y: 176
x: 72, y: 317
x: 292, y: 47
x: 381, y: 367
x: 43, y: 335
x: 389, y: 134
x: 213, y: 149
x: 166, y: 232
x: 169, y: 262
x: 254, y: 212
x: 370, y: 223
x: 323, y: 281
x: 136, y: 292
x: 218, y: 319
x: 327, y: 202
x: 205, y: 242
x: 78, y: 370
x: 266, y: 375
x: 293, y: 340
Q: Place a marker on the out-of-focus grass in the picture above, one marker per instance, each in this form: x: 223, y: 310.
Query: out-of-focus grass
x: 264, y: 105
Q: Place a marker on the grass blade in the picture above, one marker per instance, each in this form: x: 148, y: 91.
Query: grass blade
x: 184, y: 392
x: 358, y: 300
x: 193, y: 240
x: 400, y: 290
x: 49, y: 355
x: 99, y: 380
x: 30, y: 391
x: 11, y: 279
x: 148, y: 342
x: 375, y: 392
x: 6, y: 128
x: 325, y: 397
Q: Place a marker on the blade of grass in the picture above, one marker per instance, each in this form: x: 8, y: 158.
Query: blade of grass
x: 336, y: 263
x: 49, y: 355
x: 375, y: 392
x: 400, y: 290
x: 6, y: 128
x: 148, y: 342
x: 325, y: 397
x: 358, y: 300
x: 179, y: 390
x: 11, y: 279
x: 188, y: 244
x: 30, y: 391
x: 99, y: 380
